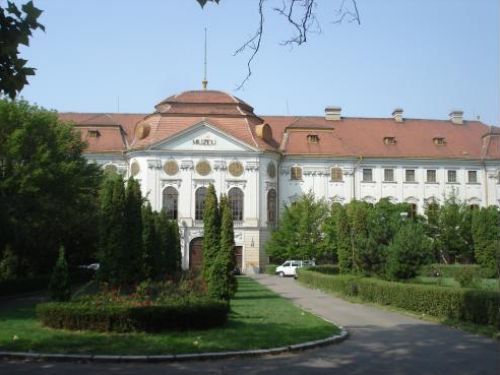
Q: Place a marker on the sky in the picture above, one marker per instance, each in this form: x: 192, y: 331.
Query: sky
x: 428, y: 57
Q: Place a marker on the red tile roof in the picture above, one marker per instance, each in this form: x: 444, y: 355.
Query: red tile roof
x: 348, y: 137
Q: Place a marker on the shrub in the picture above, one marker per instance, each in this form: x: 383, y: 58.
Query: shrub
x: 9, y: 264
x: 476, y: 306
x: 175, y: 314
x: 466, y: 277
x: 270, y: 269
x: 452, y: 270
x: 328, y: 269
x: 407, y: 252
x: 59, y: 285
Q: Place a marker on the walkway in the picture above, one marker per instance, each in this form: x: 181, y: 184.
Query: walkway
x: 380, y: 342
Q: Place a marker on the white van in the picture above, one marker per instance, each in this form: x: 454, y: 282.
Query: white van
x: 289, y: 268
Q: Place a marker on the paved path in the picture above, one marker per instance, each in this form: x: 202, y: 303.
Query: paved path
x: 381, y: 342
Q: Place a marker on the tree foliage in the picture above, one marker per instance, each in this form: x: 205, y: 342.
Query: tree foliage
x: 16, y: 26
x: 59, y: 285
x: 47, y: 189
x: 409, y: 250
x: 211, y: 231
x: 486, y: 236
x: 151, y: 253
x: 133, y: 230
x: 300, y: 235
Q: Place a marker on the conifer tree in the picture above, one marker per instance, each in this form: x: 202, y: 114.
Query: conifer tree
x: 173, y: 255
x: 227, y: 245
x: 133, y: 218
x: 211, y: 228
x: 150, y: 256
x: 112, y: 231
x: 164, y: 242
x: 59, y: 285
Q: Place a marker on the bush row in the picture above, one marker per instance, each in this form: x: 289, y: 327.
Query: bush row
x: 180, y: 314
x: 328, y: 269
x: 476, y: 306
x: 270, y: 269
x: 453, y: 270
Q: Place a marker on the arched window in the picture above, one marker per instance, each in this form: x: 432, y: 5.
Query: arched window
x: 201, y: 193
x: 271, y: 206
x: 170, y: 201
x: 235, y: 196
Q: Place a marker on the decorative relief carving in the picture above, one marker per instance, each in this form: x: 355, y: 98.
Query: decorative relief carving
x: 203, y: 168
x: 236, y: 168
x: 187, y: 164
x: 284, y: 171
x: 236, y: 183
x: 220, y: 165
x: 171, y: 167
x: 195, y: 234
x: 171, y: 182
x: 270, y: 185
x: 315, y: 171
x: 198, y: 182
x: 154, y: 163
x: 252, y: 166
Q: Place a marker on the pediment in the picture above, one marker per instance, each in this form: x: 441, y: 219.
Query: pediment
x: 202, y: 137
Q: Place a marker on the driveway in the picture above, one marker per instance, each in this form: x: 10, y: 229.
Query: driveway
x: 380, y: 342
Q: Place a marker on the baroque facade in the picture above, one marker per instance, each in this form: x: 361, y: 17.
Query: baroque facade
x: 197, y: 138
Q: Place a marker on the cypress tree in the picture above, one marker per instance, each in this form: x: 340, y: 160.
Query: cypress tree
x: 59, y: 285
x: 112, y: 231
x: 173, y: 248
x: 163, y: 237
x: 211, y: 229
x: 150, y: 268
x: 133, y: 217
x: 227, y: 245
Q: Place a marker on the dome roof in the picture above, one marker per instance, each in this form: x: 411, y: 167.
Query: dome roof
x: 204, y: 102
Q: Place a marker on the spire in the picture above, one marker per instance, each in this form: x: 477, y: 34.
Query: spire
x: 205, y: 82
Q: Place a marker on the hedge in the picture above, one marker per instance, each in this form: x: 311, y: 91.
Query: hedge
x: 328, y: 269
x: 476, y: 306
x: 452, y: 270
x: 270, y: 269
x: 180, y: 314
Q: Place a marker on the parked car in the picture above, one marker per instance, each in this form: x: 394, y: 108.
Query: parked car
x: 92, y: 266
x: 289, y: 268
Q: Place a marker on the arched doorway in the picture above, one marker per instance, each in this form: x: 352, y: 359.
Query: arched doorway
x: 196, y: 253
x: 238, y: 254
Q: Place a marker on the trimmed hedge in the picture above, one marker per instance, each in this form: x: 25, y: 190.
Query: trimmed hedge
x: 179, y: 314
x: 452, y: 270
x: 476, y: 306
x: 327, y: 269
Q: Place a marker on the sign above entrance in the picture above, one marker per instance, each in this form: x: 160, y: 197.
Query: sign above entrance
x: 204, y: 141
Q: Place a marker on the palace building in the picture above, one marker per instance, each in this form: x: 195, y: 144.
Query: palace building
x: 197, y: 138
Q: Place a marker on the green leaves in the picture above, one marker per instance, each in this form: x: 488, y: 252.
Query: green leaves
x: 203, y: 2
x: 16, y: 29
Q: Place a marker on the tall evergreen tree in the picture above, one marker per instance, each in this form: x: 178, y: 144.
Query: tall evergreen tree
x: 211, y: 231
x: 343, y: 237
x: 150, y: 251
x: 59, y: 285
x: 133, y: 223
x: 112, y: 238
x: 164, y: 243
x: 227, y: 245
x: 174, y: 256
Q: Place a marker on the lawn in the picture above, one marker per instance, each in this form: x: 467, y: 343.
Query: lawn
x: 483, y: 284
x: 259, y: 319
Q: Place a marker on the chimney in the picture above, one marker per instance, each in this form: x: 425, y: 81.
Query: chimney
x: 457, y: 117
x: 397, y: 115
x: 333, y: 113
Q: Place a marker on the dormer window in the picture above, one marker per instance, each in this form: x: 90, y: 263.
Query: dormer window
x: 390, y: 140
x: 94, y: 133
x: 438, y: 141
x: 312, y: 138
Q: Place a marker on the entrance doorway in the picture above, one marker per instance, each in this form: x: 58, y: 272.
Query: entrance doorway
x: 238, y: 254
x: 196, y: 253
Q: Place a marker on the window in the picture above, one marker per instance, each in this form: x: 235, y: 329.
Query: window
x: 312, y: 138
x: 235, y: 196
x: 473, y: 207
x: 431, y: 175
x: 410, y: 175
x: 271, y: 206
x: 367, y: 175
x: 94, y: 133
x: 472, y: 177
x: 201, y: 193
x: 336, y: 174
x: 390, y: 140
x: 389, y: 175
x: 170, y: 201
x: 296, y: 173
x: 452, y: 176
x: 438, y: 141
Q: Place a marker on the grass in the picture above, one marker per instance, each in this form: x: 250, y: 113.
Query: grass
x: 259, y: 319
x: 483, y: 284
